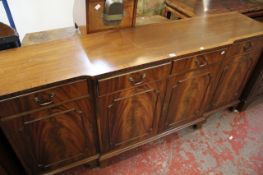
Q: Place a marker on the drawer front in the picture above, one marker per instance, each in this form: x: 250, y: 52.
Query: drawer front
x: 133, y: 79
x: 198, y: 61
x: 43, y: 98
x: 245, y: 47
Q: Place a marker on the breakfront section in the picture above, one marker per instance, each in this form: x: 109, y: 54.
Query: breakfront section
x: 238, y: 65
x: 129, y: 106
x: 189, y: 89
x: 51, y: 128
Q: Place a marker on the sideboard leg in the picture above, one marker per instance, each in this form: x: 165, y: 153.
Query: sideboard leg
x: 198, y: 125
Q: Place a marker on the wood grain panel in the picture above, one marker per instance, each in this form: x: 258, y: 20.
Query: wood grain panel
x: 198, y: 61
x: 244, y: 47
x: 109, y: 52
x: 188, y: 96
x: 56, y: 136
x: 43, y: 98
x: 233, y: 79
x: 129, y: 116
x: 131, y: 79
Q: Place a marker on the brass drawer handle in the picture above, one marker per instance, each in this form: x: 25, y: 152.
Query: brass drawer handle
x: 139, y: 82
x: 42, y: 102
x: 247, y: 46
x: 201, y: 65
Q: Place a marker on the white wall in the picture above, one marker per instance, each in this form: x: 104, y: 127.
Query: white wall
x: 38, y: 15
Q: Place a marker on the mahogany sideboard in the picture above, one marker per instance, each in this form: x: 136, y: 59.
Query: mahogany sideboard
x: 85, y: 100
x: 190, y: 8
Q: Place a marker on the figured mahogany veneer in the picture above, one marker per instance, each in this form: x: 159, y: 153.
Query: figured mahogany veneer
x: 86, y: 100
x: 40, y: 99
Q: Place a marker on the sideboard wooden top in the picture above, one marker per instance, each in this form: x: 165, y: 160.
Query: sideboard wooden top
x: 101, y: 53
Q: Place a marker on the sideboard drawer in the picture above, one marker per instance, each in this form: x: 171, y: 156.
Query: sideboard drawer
x: 198, y: 61
x: 133, y: 79
x: 245, y: 46
x: 43, y: 98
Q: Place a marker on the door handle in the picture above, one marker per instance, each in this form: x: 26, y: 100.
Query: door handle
x: 139, y: 82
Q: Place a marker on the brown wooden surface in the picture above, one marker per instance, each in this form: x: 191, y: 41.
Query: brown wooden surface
x: 63, y: 33
x: 107, y: 52
x: 8, y: 37
x: 6, y: 31
x: 131, y: 115
x: 234, y: 76
x: 49, y: 35
x: 52, y: 138
x: 144, y: 20
x: 192, y: 8
x: 139, y: 85
x: 44, y: 98
x: 189, y: 91
x: 89, y: 19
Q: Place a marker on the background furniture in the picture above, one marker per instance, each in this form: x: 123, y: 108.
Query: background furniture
x: 8, y: 32
x: 190, y: 8
x: 64, y: 33
x: 254, y: 87
x: 8, y: 37
x: 88, y: 15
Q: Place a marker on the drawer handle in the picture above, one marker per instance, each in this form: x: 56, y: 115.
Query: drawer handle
x: 139, y: 82
x: 247, y: 46
x: 202, y: 65
x: 40, y: 101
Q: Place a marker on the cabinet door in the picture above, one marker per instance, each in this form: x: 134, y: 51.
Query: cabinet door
x: 233, y: 79
x: 130, y: 115
x: 54, y: 137
x: 187, y: 96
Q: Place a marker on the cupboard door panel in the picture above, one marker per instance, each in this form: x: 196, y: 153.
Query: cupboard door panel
x: 233, y: 79
x: 56, y: 136
x: 186, y: 97
x: 130, y: 116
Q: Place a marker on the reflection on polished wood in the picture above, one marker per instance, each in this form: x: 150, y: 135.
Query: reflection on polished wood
x: 101, y: 53
x: 192, y: 8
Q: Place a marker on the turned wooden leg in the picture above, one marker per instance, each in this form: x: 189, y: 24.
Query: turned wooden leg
x: 199, y: 125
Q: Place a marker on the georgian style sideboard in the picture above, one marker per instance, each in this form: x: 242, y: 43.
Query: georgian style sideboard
x: 85, y: 100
